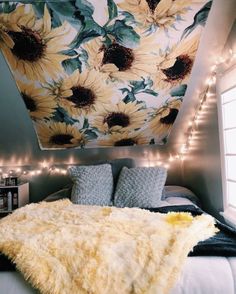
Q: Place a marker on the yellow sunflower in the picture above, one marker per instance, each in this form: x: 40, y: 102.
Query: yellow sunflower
x: 174, y: 67
x: 124, y: 139
x: 160, y: 13
x: 81, y: 93
x: 119, y: 62
x: 59, y: 135
x: 8, y: 22
x: 36, y: 47
x: 119, y: 117
x: 164, y: 119
x: 38, y: 102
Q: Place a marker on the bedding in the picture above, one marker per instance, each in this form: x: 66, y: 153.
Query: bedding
x: 179, y: 191
x: 123, y: 247
x: 140, y: 187
x: 200, y: 275
x: 92, y: 184
x: 223, y: 243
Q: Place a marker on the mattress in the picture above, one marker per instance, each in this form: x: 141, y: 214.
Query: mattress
x: 200, y: 275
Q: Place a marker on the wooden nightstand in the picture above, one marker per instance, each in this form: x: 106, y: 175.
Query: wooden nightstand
x: 20, y: 197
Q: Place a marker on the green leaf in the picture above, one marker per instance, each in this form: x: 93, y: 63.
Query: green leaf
x: 83, y: 55
x: 124, y: 90
x: 129, y: 98
x: 86, y: 124
x: 128, y: 17
x: 62, y: 116
x: 39, y: 8
x: 124, y: 34
x: 85, y: 36
x: 63, y: 11
x: 179, y: 91
x: 137, y: 86
x: 199, y: 19
x: 72, y: 64
x: 90, y: 134
x: 149, y: 82
x: 69, y: 52
x: 89, y: 31
x: 151, y: 92
x: 112, y: 9
x: 8, y: 8
x: 85, y: 7
x: 164, y: 140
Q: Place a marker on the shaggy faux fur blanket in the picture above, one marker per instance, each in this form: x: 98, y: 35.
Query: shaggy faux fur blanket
x: 62, y: 248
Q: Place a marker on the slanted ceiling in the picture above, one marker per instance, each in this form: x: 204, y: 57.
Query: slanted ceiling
x: 102, y: 73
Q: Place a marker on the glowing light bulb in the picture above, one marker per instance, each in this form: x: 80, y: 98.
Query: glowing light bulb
x: 171, y: 158
x: 190, y: 123
x: 183, y: 149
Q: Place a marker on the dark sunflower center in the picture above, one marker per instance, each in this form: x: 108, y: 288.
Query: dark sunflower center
x: 180, y: 69
x: 170, y: 118
x: 153, y: 4
x: 121, y: 56
x: 125, y: 142
x: 29, y: 102
x: 117, y: 119
x: 82, y: 97
x: 28, y: 45
x: 61, y: 139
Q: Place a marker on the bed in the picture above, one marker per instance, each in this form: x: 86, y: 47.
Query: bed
x: 200, y: 274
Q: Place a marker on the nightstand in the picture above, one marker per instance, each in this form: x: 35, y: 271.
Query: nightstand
x: 13, y: 197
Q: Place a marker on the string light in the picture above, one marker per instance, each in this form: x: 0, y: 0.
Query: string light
x: 28, y: 172
x: 204, y: 97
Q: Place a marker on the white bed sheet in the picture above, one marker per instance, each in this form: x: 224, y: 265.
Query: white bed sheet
x: 200, y: 275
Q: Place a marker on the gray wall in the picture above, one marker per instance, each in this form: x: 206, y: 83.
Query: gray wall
x: 202, y: 167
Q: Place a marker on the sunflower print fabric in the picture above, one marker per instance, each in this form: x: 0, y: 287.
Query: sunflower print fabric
x: 102, y: 73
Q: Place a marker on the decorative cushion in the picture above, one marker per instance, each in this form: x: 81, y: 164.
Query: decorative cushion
x: 140, y: 187
x: 60, y: 194
x: 92, y: 184
x: 179, y: 191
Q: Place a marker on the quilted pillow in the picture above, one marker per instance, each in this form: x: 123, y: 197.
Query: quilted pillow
x: 92, y: 184
x: 140, y: 187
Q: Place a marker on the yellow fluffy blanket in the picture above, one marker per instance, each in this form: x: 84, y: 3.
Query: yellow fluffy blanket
x: 62, y: 248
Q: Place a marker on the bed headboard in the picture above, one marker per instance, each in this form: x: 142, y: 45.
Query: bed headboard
x: 44, y: 184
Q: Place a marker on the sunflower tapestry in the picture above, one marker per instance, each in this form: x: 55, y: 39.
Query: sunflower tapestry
x: 102, y: 72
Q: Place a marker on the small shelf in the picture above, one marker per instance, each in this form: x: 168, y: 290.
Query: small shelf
x: 19, y: 194
x: 15, y: 186
x: 5, y: 211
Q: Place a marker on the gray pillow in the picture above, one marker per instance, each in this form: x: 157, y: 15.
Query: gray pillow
x: 140, y: 187
x: 92, y: 184
x: 179, y: 191
x: 60, y: 194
